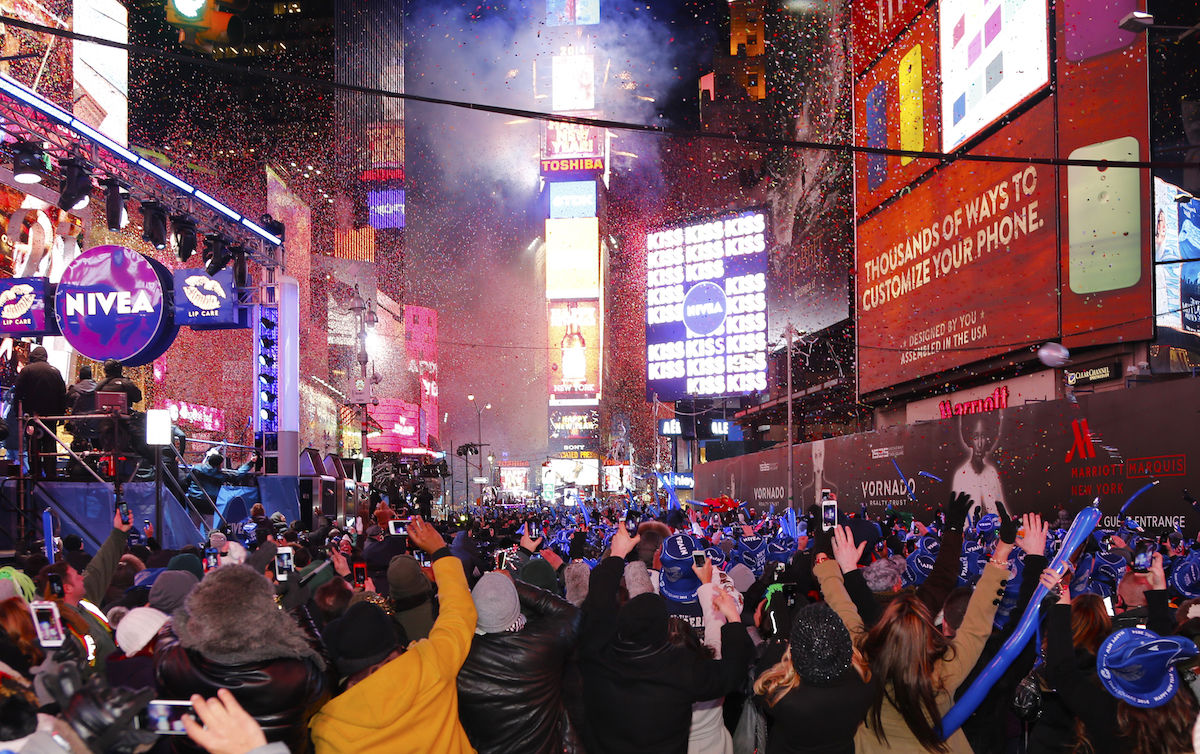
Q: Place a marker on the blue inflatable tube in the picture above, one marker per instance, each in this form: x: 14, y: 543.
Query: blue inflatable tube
x: 1080, y: 530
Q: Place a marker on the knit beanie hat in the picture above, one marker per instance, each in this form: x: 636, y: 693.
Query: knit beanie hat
x: 405, y: 578
x: 821, y: 647
x: 743, y: 577
x: 642, y: 621
x: 540, y: 573
x: 496, y: 604
x: 185, y: 561
x: 362, y: 637
x: 170, y: 589
x: 138, y: 627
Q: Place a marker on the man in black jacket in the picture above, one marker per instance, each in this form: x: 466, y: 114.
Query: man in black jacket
x: 510, y: 689
x: 41, y: 391
x: 638, y: 688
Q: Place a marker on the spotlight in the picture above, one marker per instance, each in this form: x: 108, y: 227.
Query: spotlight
x: 30, y: 164
x: 266, y: 414
x: 114, y: 204
x: 76, y: 185
x: 267, y: 323
x: 267, y: 379
x: 184, y: 230
x: 267, y: 343
x: 215, y: 254
x: 266, y: 396
x: 266, y: 361
x: 154, y: 224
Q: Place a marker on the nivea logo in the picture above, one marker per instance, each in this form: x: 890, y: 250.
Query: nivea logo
x: 114, y: 302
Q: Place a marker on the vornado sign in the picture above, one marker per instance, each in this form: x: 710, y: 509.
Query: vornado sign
x: 112, y: 303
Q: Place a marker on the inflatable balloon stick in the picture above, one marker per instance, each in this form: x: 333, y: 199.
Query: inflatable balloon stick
x: 48, y: 534
x: 1080, y: 530
x: 904, y: 480
x: 1134, y: 496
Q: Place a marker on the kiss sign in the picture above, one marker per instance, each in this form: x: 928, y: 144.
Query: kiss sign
x: 112, y: 304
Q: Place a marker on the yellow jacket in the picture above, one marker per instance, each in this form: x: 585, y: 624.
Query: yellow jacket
x: 968, y: 644
x: 411, y: 703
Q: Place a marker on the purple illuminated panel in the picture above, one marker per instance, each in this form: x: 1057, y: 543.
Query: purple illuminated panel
x: 23, y: 307
x: 385, y: 208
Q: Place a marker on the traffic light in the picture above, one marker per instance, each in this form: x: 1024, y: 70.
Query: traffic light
x: 203, y: 23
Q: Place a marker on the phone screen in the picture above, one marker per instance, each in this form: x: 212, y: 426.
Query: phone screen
x: 165, y: 716
x: 283, y: 563
x: 47, y: 623
x: 126, y: 516
x: 56, y: 585
x: 1108, y: 606
x: 533, y: 529
x: 828, y: 515
x: 698, y: 557
x: 360, y: 574
x: 398, y: 527
x: 212, y: 559
x: 1143, y: 557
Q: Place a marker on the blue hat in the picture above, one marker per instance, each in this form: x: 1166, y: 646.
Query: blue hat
x: 147, y: 576
x: 752, y: 551
x: 919, y: 566
x: 929, y: 545
x: 716, y: 555
x: 988, y: 525
x: 1185, y: 577
x: 1135, y: 666
x: 780, y: 550
x: 1110, y: 568
x: 679, y: 582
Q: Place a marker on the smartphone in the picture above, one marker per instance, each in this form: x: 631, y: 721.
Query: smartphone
x: 48, y: 623
x: 165, y: 716
x: 398, y: 527
x: 1108, y: 606
x: 699, y: 557
x: 912, y: 113
x: 145, y: 524
x: 1143, y: 556
x: 789, y: 594
x: 631, y: 524
x: 126, y: 516
x: 283, y: 563
x: 56, y: 585
x: 502, y: 560
x: 360, y: 574
x: 212, y: 559
x: 828, y: 515
x: 1104, y: 219
x: 421, y: 557
x: 533, y: 529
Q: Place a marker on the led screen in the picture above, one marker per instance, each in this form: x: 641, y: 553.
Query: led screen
x: 573, y: 199
x: 564, y: 140
x: 993, y: 56
x: 574, y: 83
x: 573, y: 258
x: 385, y: 208
x: 574, y: 351
x: 706, y: 307
x: 1177, y: 260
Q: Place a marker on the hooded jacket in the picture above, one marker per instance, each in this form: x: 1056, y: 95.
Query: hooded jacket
x: 40, y: 387
x: 409, y: 704
x: 510, y: 689
x: 230, y: 634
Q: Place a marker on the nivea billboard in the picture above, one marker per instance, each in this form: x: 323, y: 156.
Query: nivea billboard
x: 114, y: 303
x: 203, y: 300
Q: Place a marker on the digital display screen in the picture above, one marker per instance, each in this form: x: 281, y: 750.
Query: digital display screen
x: 993, y: 57
x: 23, y: 306
x: 706, y: 307
x: 573, y: 86
x: 572, y: 199
x: 572, y: 12
x: 1177, y: 260
x: 562, y: 140
x: 205, y: 300
x: 385, y: 208
x: 573, y: 346
x: 573, y: 258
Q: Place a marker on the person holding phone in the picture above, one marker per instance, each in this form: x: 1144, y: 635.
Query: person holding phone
x: 394, y: 697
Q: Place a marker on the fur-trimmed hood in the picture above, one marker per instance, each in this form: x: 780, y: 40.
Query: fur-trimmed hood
x: 231, y: 618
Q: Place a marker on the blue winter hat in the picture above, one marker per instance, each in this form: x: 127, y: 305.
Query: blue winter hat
x: 679, y: 582
x: 752, y: 551
x: 929, y: 545
x: 1185, y: 578
x: 988, y: 525
x: 919, y: 566
x: 716, y: 555
x: 1136, y: 666
x: 779, y: 551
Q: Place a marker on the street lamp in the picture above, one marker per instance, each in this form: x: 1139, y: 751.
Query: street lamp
x: 479, y: 409
x: 361, y: 394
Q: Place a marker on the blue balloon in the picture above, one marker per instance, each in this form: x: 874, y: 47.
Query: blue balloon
x: 973, y: 696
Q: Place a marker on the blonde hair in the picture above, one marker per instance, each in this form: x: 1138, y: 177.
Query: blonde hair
x: 776, y: 681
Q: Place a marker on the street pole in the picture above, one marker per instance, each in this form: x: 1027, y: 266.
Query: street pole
x: 790, y: 480
x: 479, y: 430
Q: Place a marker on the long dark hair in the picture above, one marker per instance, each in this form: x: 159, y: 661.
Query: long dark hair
x: 903, y: 649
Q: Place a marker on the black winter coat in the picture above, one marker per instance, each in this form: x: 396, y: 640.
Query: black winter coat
x: 640, y: 701
x: 281, y: 694
x: 510, y: 689
x: 40, y: 387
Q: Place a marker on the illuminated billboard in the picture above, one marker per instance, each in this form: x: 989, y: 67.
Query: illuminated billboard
x: 398, y: 422
x: 572, y: 199
x: 1177, y: 263
x: 514, y: 478
x: 565, y: 140
x: 567, y: 472
x: 101, y: 73
x: 572, y: 12
x: 572, y: 258
x: 875, y: 25
x: 964, y: 266
x: 572, y: 425
x: 706, y: 307
x: 385, y: 208
x: 573, y: 86
x: 574, y: 348
x: 993, y: 57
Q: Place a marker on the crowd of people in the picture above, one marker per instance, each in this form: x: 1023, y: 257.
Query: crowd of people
x: 626, y: 629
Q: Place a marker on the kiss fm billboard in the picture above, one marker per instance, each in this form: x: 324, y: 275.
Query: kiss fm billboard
x: 706, y: 307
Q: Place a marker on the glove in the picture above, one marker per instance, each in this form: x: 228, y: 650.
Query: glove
x: 956, y: 511
x: 1008, y: 530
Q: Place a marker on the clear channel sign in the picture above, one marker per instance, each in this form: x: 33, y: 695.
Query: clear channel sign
x: 706, y: 307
